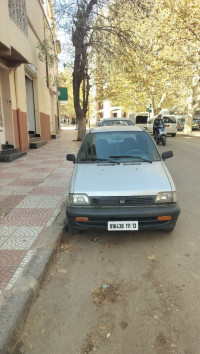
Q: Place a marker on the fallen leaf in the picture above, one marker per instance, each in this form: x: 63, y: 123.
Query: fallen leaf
x: 156, y: 317
x: 62, y: 270
x: 69, y: 250
x: 108, y: 335
x: 95, y: 239
x: 173, y: 345
x: 64, y: 246
x: 102, y: 326
x: 109, y: 245
x: 152, y: 257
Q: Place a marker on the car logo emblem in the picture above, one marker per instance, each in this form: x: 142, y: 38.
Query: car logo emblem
x: 122, y: 201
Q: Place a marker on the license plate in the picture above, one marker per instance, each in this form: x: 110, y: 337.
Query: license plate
x: 122, y: 225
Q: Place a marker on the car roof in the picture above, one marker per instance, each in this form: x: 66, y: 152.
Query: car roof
x: 116, y: 128
x: 110, y: 119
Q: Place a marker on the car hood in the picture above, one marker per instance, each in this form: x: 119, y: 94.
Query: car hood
x: 121, y: 180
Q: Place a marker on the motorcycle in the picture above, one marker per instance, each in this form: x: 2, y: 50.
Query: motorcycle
x: 160, y: 135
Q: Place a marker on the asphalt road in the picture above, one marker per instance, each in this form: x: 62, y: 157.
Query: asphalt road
x: 123, y: 292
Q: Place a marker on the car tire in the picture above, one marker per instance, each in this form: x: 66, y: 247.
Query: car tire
x: 163, y: 140
x: 174, y: 134
x: 68, y: 228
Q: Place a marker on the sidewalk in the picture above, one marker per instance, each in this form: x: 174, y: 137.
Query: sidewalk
x: 194, y: 134
x: 33, y: 193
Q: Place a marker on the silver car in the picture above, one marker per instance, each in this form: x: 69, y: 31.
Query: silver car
x: 114, y: 121
x: 120, y: 183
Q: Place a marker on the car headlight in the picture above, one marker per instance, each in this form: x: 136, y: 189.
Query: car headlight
x: 166, y: 197
x: 78, y: 199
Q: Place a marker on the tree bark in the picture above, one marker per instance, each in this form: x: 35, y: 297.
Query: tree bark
x: 80, y: 74
x: 193, y: 104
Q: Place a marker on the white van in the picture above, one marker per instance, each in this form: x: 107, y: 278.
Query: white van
x: 140, y: 119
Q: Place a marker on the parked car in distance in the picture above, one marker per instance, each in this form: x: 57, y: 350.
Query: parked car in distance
x: 114, y: 121
x: 169, y: 122
x: 121, y: 183
x: 196, y: 124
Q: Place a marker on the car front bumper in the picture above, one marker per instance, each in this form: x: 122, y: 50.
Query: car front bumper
x: 98, y: 217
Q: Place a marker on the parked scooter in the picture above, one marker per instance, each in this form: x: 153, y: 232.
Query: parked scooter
x: 160, y: 135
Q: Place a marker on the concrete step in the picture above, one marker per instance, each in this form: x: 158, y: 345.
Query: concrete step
x: 7, y: 146
x: 35, y: 144
x: 34, y: 138
x: 8, y: 157
x: 9, y: 151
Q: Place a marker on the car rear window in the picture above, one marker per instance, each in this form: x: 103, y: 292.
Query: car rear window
x: 116, y: 122
x: 141, y: 119
x: 167, y: 119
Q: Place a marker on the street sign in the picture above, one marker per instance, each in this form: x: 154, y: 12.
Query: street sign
x: 63, y: 94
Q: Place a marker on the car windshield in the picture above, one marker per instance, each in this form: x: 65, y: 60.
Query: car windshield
x: 118, y: 147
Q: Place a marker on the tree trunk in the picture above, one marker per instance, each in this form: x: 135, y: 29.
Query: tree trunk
x: 189, y: 117
x: 193, y: 104
x: 80, y: 114
x: 81, y: 128
x: 80, y: 39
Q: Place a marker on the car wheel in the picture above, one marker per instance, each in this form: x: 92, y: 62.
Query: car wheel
x: 174, y: 134
x: 68, y: 227
x: 163, y: 140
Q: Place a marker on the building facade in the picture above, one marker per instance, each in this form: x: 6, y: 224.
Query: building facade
x: 28, y: 101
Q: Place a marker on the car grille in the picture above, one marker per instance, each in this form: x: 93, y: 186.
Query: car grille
x: 122, y: 201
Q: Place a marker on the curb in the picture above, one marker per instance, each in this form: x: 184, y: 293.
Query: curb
x: 16, y: 303
x: 190, y: 135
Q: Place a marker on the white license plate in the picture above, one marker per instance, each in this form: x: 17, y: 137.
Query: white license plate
x: 122, y: 225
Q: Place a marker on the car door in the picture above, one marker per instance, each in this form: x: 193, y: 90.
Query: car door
x: 150, y: 125
x: 170, y: 124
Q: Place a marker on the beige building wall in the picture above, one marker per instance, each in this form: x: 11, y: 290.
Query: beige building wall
x: 18, y: 49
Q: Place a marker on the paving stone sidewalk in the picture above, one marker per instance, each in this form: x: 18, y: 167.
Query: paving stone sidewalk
x: 33, y: 194
x: 33, y: 190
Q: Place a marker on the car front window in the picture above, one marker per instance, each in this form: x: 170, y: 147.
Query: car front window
x: 118, y: 146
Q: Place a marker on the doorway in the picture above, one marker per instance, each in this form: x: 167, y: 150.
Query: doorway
x: 2, y: 128
x: 30, y: 105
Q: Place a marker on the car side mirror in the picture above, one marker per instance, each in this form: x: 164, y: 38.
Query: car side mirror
x: 71, y: 157
x: 167, y: 155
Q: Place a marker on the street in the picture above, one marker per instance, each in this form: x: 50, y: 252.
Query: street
x: 126, y: 292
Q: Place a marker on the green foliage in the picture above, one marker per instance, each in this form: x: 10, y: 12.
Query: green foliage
x: 160, y: 59
x: 47, y: 52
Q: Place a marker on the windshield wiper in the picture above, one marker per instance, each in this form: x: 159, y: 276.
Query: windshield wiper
x: 96, y: 159
x: 133, y: 157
